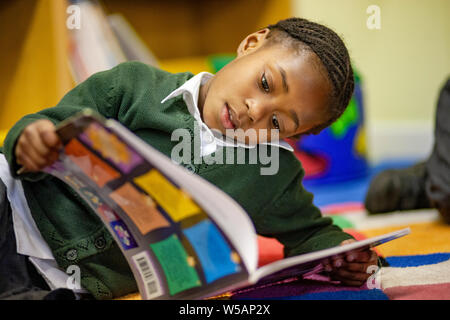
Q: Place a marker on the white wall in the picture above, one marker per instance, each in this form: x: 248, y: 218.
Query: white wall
x: 403, y: 65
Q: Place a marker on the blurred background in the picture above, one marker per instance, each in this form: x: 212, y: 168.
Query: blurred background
x: 400, y: 51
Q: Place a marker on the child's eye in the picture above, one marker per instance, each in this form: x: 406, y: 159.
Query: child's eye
x: 264, y: 83
x: 275, y: 122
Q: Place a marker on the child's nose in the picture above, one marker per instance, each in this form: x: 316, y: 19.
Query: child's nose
x: 256, y: 110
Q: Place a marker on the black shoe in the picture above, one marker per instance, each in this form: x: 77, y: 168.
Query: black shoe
x: 398, y: 189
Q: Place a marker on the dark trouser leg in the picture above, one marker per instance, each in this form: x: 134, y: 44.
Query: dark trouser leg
x: 438, y: 165
x: 424, y: 185
x: 18, y: 277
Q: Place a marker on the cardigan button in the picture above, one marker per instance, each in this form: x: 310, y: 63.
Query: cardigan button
x: 72, y: 254
x: 100, y: 243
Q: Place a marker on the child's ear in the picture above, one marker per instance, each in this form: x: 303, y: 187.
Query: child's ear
x: 252, y: 42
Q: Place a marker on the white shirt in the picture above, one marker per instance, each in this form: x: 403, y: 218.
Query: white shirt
x: 29, y: 240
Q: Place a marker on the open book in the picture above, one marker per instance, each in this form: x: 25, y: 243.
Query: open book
x: 182, y: 236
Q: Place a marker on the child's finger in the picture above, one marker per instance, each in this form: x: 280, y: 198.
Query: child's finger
x: 347, y: 241
x: 31, y: 157
x: 352, y: 283
x: 361, y: 256
x: 27, y: 163
x: 349, y: 281
x: 36, y: 158
x: 327, y: 265
x: 333, y: 262
x: 51, y: 139
x: 351, y: 275
x: 34, y: 141
x: 356, y: 267
x: 337, y: 261
x: 48, y: 135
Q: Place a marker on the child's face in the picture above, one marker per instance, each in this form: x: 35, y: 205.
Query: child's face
x: 266, y: 87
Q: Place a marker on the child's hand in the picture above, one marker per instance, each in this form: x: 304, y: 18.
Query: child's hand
x: 352, y: 268
x: 37, y: 146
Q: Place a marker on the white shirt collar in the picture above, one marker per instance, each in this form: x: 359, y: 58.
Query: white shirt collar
x: 208, y: 140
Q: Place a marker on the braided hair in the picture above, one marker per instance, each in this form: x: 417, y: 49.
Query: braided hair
x: 332, y: 53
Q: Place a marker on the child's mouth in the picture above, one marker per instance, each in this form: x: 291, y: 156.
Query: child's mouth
x: 227, y: 118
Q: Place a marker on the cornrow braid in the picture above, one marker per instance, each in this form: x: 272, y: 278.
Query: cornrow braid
x: 331, y: 51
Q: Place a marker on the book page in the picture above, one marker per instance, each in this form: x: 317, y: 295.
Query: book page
x: 182, y: 236
x: 230, y: 216
x: 301, y: 264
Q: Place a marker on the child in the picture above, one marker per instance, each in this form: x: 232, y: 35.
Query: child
x: 294, y: 77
